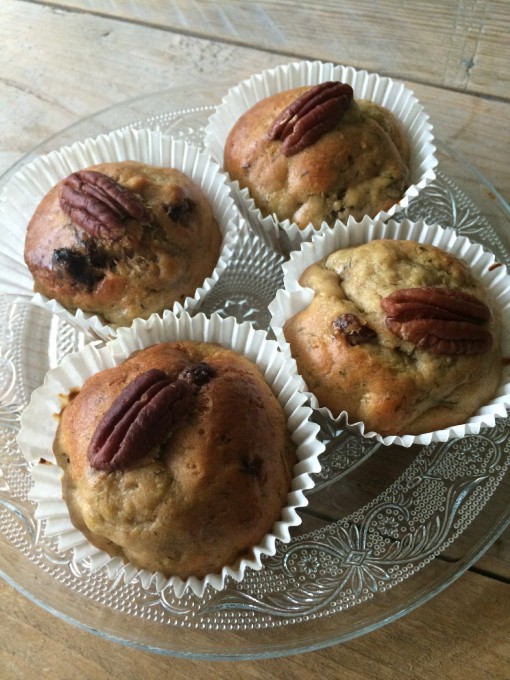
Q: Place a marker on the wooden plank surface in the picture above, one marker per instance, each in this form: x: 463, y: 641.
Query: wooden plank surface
x: 462, y: 634
x: 456, y: 43
x: 58, y: 65
x: 43, y: 99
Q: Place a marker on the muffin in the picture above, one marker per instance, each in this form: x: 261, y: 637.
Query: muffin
x: 198, y: 479
x: 122, y: 240
x: 400, y: 335
x: 314, y: 154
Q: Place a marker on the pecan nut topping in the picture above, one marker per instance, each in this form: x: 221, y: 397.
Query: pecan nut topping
x: 99, y: 205
x: 310, y: 116
x: 440, y: 320
x: 143, y: 416
x: 355, y: 331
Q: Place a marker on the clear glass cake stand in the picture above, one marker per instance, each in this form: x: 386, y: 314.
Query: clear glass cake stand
x: 386, y: 528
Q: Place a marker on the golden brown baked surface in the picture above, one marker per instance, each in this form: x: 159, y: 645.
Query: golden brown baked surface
x: 147, y: 269
x: 205, y: 496
x: 358, y: 168
x: 391, y: 383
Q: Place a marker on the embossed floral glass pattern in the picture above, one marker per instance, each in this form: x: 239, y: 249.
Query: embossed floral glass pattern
x: 364, y: 539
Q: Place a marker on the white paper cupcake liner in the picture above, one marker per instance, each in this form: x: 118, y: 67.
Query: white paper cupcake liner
x: 293, y: 298
x: 39, y: 425
x: 26, y: 189
x: 284, y: 235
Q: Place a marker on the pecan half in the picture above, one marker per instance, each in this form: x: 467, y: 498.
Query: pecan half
x: 99, y: 205
x: 140, y: 418
x: 144, y: 415
x: 355, y: 331
x: 440, y: 320
x: 311, y: 115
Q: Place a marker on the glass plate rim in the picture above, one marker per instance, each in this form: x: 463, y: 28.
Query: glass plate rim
x: 387, y: 617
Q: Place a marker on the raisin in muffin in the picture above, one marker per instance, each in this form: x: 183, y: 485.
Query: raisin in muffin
x: 400, y: 335
x: 122, y: 240
x: 198, y: 468
x: 312, y: 154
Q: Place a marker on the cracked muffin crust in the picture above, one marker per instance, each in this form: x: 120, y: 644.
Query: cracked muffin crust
x: 400, y: 335
x: 358, y: 167
x: 202, y: 496
x: 122, y: 240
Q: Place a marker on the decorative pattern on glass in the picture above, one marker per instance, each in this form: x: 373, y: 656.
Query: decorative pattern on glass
x: 345, y: 562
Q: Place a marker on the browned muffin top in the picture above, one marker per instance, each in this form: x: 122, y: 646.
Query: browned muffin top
x: 200, y: 475
x: 313, y: 155
x: 122, y: 240
x: 400, y: 335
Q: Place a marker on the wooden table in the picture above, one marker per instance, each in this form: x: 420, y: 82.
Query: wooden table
x: 61, y: 61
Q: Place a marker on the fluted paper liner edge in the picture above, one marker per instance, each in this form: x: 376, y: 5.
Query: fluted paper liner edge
x: 393, y: 95
x: 293, y: 298
x: 39, y: 424
x: 31, y: 183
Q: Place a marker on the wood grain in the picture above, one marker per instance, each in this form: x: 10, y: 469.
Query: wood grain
x: 440, y: 639
x: 43, y: 98
x: 62, y: 61
x: 456, y: 43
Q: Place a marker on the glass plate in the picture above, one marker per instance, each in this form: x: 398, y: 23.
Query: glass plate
x: 386, y: 528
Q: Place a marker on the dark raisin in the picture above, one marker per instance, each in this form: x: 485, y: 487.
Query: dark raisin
x: 73, y: 261
x: 97, y: 256
x: 180, y: 211
x: 77, y: 266
x: 252, y: 466
x: 198, y: 374
x: 353, y: 329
